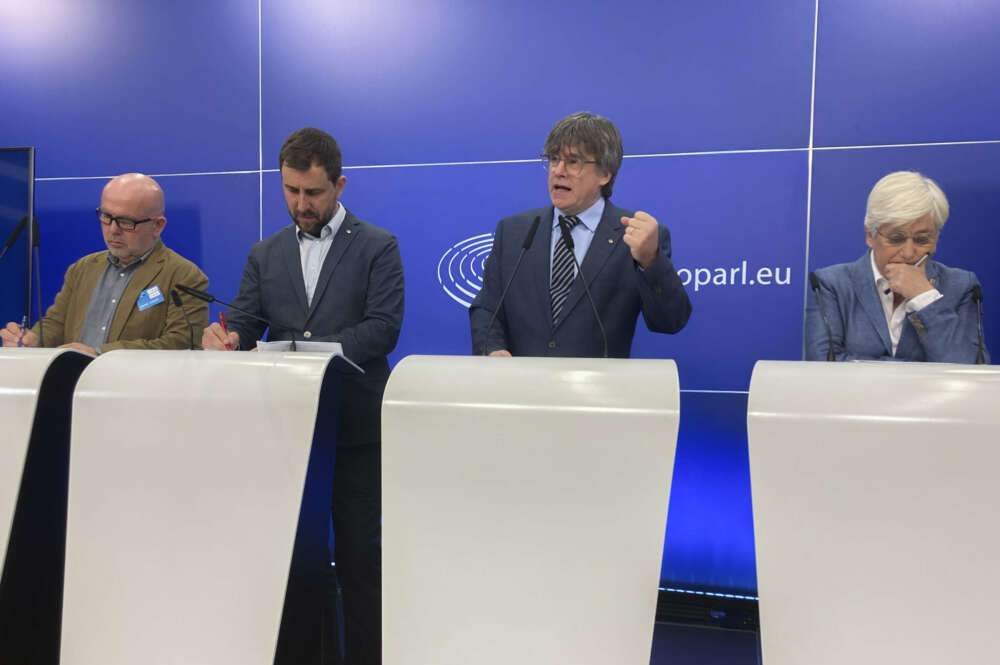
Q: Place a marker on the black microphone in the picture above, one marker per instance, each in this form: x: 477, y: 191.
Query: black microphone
x: 208, y: 297
x: 814, y: 283
x: 525, y: 246
x: 15, y: 234
x: 568, y: 239
x: 977, y: 296
x: 176, y: 297
x: 38, y: 290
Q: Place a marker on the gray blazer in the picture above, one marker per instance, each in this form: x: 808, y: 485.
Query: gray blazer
x: 945, y: 331
x: 358, y: 302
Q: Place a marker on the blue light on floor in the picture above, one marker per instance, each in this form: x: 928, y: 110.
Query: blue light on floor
x: 712, y: 594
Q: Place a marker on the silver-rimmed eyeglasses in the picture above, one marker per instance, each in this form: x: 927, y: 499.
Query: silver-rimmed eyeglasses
x: 572, y: 163
x: 897, y: 238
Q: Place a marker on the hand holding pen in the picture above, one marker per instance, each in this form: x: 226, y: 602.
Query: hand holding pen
x: 217, y: 337
x: 908, y: 280
x: 225, y: 330
x: 14, y: 334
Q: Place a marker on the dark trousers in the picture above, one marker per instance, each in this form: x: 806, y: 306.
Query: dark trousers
x: 357, y: 533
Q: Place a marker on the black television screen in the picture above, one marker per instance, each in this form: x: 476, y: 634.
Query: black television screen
x: 17, y: 176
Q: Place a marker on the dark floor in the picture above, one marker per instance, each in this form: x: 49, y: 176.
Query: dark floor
x: 681, y: 644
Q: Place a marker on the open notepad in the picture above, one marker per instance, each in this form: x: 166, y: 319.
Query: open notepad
x: 302, y: 346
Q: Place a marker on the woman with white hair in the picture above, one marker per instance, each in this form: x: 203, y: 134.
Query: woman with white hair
x: 895, y: 302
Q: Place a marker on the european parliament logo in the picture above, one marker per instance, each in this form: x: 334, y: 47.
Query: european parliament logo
x: 460, y: 270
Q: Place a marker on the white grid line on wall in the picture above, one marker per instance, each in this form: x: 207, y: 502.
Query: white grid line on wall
x: 809, y: 170
x: 528, y: 161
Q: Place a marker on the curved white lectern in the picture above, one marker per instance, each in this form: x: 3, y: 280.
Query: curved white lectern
x: 36, y: 389
x: 23, y: 372
x: 186, y: 480
x: 875, y: 497
x: 524, y: 503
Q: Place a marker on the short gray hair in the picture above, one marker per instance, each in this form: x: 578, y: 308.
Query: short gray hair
x: 596, y: 135
x: 902, y: 197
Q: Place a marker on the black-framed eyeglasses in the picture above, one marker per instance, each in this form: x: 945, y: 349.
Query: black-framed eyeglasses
x: 124, y: 223
x: 897, y: 238
x: 573, y: 165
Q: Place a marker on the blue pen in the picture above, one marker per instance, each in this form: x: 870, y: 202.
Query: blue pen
x: 24, y: 324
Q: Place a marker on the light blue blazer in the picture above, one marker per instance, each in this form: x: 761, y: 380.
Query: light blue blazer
x: 944, y: 331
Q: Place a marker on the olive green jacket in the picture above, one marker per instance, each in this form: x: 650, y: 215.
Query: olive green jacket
x: 161, y: 326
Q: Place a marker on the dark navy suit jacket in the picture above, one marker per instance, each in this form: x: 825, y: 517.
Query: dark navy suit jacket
x: 620, y: 289
x: 358, y: 302
x: 944, y: 331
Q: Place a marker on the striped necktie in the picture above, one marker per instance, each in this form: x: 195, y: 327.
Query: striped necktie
x: 563, y: 270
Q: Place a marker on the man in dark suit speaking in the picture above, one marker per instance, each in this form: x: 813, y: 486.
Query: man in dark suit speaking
x: 332, y: 277
x: 624, y: 258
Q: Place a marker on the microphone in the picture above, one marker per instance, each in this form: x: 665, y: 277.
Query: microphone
x: 977, y: 296
x: 177, y: 301
x: 568, y: 239
x: 814, y: 283
x: 208, y: 297
x: 16, y: 233
x: 36, y: 243
x: 525, y: 246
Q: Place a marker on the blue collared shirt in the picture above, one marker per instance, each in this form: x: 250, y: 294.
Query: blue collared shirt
x: 105, y: 297
x: 582, y: 233
x: 313, y: 251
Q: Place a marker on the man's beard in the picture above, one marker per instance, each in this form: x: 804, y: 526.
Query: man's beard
x: 312, y: 225
x: 124, y: 255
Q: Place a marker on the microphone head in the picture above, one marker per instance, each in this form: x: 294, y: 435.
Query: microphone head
x: 530, y: 238
x: 813, y: 281
x: 195, y: 293
x: 977, y: 293
x: 176, y: 297
x: 12, y: 238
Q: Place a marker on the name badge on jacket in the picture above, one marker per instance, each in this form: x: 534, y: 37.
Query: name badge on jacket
x: 149, y: 297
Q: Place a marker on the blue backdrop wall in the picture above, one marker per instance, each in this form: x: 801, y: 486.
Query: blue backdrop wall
x: 753, y: 129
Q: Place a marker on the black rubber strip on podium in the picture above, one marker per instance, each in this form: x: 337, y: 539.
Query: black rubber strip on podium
x: 31, y: 586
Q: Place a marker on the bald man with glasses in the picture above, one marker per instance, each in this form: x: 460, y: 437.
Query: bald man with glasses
x: 120, y: 298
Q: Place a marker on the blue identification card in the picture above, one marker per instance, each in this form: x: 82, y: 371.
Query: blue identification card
x: 149, y: 297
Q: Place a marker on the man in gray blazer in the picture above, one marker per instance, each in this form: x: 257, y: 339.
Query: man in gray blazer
x: 332, y: 277
x: 624, y: 257
x: 894, y: 303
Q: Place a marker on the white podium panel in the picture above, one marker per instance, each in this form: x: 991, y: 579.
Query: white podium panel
x: 875, y: 498
x: 36, y: 393
x: 524, y: 504
x: 186, y: 477
x: 22, y: 372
